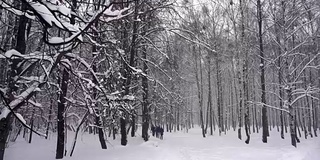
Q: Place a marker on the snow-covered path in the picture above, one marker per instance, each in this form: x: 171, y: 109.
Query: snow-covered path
x: 175, y: 146
x: 227, y: 147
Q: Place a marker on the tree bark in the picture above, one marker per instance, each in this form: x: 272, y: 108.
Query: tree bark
x: 4, y: 133
x: 49, y: 118
x: 265, y: 131
x: 14, y: 70
x: 210, y: 117
x: 60, y: 115
x: 123, y: 131
x: 199, y: 87
x: 100, y: 132
x: 145, y: 103
x: 219, y: 97
x: 31, y: 126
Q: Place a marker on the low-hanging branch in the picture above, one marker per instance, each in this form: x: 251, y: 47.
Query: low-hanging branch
x: 269, y: 106
x: 19, y: 117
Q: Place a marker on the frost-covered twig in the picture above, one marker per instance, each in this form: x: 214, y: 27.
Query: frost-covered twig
x: 269, y: 106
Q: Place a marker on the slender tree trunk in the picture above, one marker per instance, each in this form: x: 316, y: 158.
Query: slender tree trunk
x: 299, y: 123
x: 253, y: 110
x: 317, y: 111
x: 219, y: 96
x: 233, y: 106
x: 128, y: 69
x: 123, y: 131
x: 265, y: 131
x: 311, y: 106
x: 133, y: 124
x: 200, y: 95
x: 292, y: 112
x: 207, y: 116
x: 280, y: 97
x: 4, y: 133
x: 31, y: 126
x: 210, y: 97
x: 315, y: 119
x: 98, y: 122
x: 245, y: 74
x: 292, y: 118
x: 240, y: 108
x: 240, y: 100
x: 145, y: 102
x: 280, y: 83
x: 61, y: 110
x: 77, y: 132
x: 49, y: 118
x: 237, y: 107
x: 98, y: 116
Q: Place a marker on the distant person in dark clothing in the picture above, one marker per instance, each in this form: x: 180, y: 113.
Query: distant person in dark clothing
x: 153, y: 130
x: 158, y: 131
x: 161, y: 133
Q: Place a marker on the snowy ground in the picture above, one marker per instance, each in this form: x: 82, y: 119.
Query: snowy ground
x: 175, y: 146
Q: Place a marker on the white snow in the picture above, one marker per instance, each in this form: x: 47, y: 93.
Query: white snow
x: 110, y: 14
x: 56, y: 40
x: 129, y: 97
x: 4, y: 113
x: 56, y: 6
x: 19, y: 116
x: 35, y: 103
x: 12, y: 52
x: 22, y: 97
x: 45, y: 14
x: 15, y: 11
x: 175, y: 146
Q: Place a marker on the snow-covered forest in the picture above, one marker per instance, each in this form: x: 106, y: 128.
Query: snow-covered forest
x: 223, y: 79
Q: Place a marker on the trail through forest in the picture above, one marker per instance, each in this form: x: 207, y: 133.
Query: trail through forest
x: 175, y: 146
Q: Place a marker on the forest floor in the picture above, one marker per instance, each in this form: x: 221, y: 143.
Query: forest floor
x: 175, y: 146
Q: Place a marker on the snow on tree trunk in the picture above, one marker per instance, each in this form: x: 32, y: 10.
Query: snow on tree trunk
x: 291, y: 116
x: 265, y: 131
x: 4, y: 132
x: 60, y: 115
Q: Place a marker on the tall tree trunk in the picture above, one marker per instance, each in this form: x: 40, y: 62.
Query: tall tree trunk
x: 31, y: 126
x: 265, y: 131
x: 210, y: 117
x: 233, y: 106
x: 14, y: 70
x: 145, y: 103
x: 98, y: 118
x: 77, y: 131
x: 4, y: 133
x: 128, y: 73
x: 60, y: 115
x: 280, y: 79
x: 49, y: 118
x: 240, y: 99
x: 98, y: 122
x: 207, y: 116
x: 291, y: 118
x: 123, y: 131
x: 253, y: 108
x: 199, y: 88
x: 245, y: 74
x: 309, y: 105
x: 219, y: 97
x: 280, y: 94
